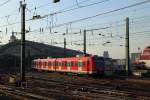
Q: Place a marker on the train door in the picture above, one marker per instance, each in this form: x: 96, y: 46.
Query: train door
x: 74, y: 67
x: 64, y: 65
x: 59, y: 65
x: 84, y: 64
x: 49, y: 65
x: 68, y: 66
x: 44, y: 64
x: 89, y: 66
x: 56, y: 65
x: 53, y: 65
x: 80, y: 65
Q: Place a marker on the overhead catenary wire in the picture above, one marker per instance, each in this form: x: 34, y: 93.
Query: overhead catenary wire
x: 111, y: 11
x: 100, y: 28
x: 135, y: 22
x: 107, y: 26
x: 10, y: 23
x: 71, y: 9
x: 115, y: 10
x: 75, y: 21
x: 64, y: 10
x: 79, y: 32
x: 13, y: 13
x: 131, y: 18
x: 2, y: 4
x: 114, y: 36
x: 43, y: 5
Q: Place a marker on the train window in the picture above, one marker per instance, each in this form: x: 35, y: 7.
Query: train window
x: 45, y: 63
x: 42, y: 63
x: 68, y: 64
x: 63, y: 63
x: 49, y: 63
x: 59, y: 64
x: 76, y: 64
x: 56, y: 64
x: 72, y: 63
x: 80, y: 64
x: 53, y: 63
x: 39, y: 63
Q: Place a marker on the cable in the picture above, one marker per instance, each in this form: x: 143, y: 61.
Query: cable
x: 62, y: 11
x: 122, y: 8
x: 89, y: 39
x: 94, y: 29
x: 10, y: 24
x: 4, y: 3
x: 12, y: 14
x: 38, y: 7
x: 102, y: 37
x: 66, y: 10
x: 75, y: 21
x: 140, y: 32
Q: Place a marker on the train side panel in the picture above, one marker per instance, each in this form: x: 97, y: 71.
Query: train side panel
x: 83, y: 65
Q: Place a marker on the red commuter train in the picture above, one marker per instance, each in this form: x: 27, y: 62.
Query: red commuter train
x: 80, y: 65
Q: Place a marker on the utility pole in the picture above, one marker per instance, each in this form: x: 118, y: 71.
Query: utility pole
x: 23, y: 7
x: 64, y: 47
x: 84, y: 42
x: 128, y: 69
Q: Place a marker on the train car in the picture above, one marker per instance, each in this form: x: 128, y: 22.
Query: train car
x: 143, y: 62
x: 80, y: 65
x: 145, y: 57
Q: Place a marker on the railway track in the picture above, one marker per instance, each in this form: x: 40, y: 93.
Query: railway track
x: 20, y: 94
x: 95, y: 90
x: 46, y: 87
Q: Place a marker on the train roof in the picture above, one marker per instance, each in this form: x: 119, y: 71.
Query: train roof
x: 62, y: 59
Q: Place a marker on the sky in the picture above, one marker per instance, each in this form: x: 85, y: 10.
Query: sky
x: 111, y: 27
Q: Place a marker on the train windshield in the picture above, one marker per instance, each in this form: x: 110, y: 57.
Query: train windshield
x: 99, y: 61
